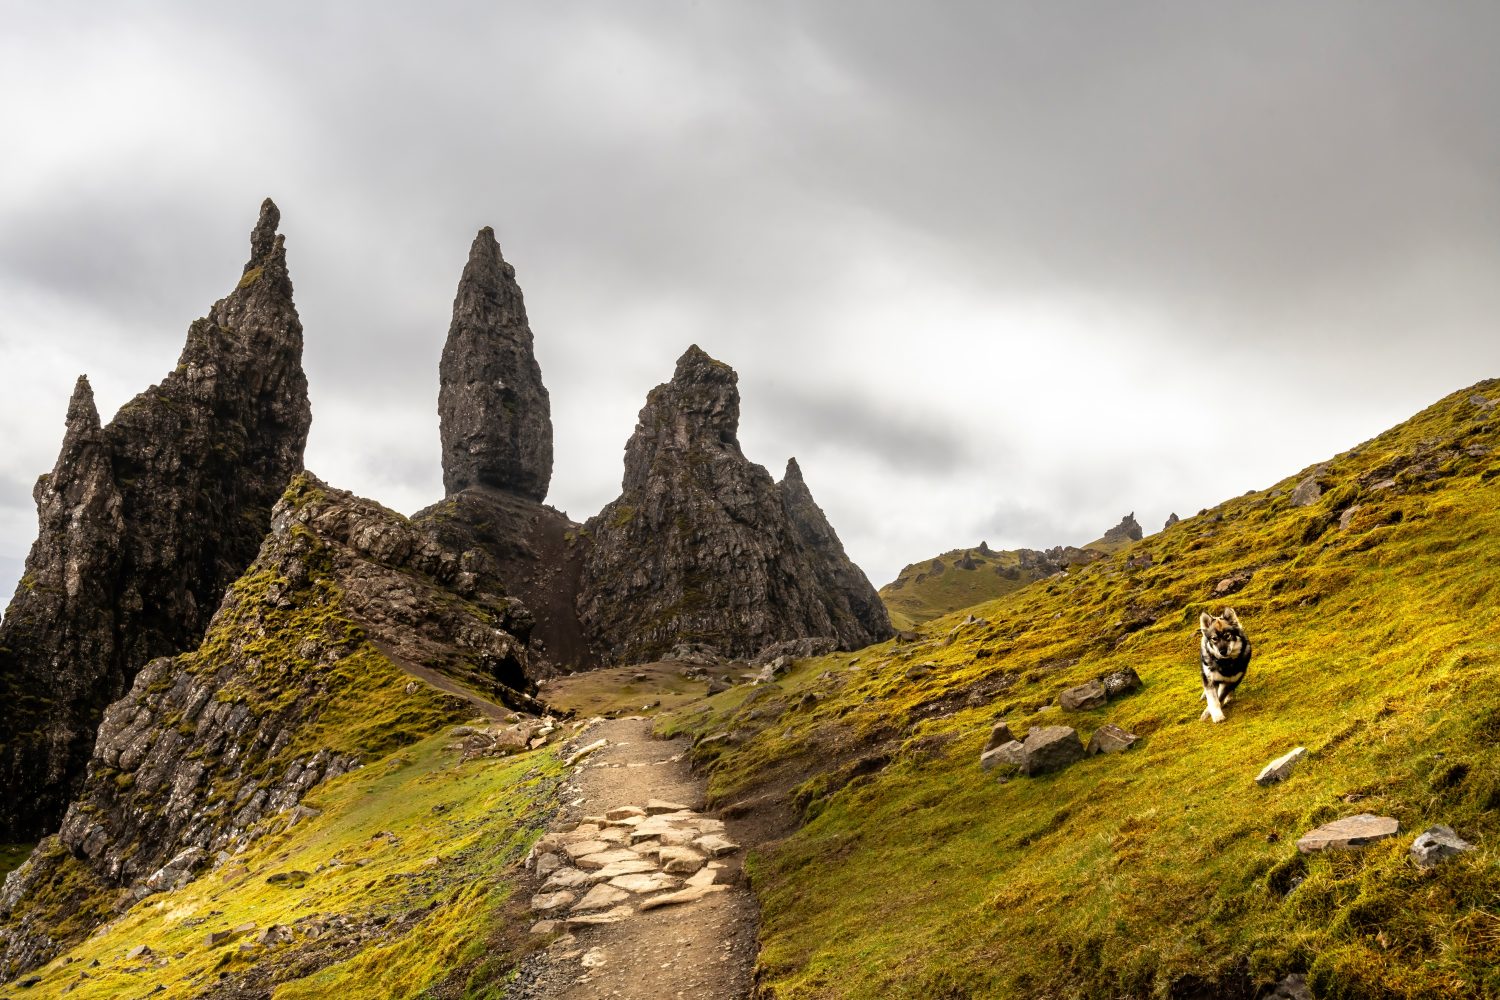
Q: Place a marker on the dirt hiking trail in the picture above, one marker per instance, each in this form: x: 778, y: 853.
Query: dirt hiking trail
x: 644, y: 893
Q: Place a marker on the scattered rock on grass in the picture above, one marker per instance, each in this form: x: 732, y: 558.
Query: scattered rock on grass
x: 1437, y: 844
x: 1010, y: 755
x: 1000, y: 735
x: 1307, y: 492
x: 1110, y: 738
x: 1122, y: 681
x: 1050, y: 748
x: 1281, y: 768
x: 1351, y: 831
x: 1084, y: 696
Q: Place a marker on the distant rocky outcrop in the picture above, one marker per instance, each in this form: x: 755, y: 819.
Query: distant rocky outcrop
x: 494, y: 412
x: 1128, y: 530
x: 143, y: 523
x: 353, y: 633
x: 703, y: 546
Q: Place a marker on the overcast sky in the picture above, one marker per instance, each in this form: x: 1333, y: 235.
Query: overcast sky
x: 989, y: 270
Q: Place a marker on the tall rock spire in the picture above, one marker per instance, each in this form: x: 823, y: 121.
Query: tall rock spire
x: 703, y: 546
x: 494, y: 412
x: 143, y: 524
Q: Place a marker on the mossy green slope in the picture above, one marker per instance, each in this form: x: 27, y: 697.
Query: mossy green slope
x: 923, y: 591
x: 1164, y: 871
x: 415, y: 855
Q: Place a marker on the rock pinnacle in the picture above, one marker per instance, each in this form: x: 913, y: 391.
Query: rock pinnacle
x: 494, y: 411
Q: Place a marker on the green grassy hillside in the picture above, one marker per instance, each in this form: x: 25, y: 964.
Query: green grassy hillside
x: 400, y: 888
x: 1164, y: 871
x: 935, y: 587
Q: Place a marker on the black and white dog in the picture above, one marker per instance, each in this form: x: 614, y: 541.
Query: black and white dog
x: 1224, y: 658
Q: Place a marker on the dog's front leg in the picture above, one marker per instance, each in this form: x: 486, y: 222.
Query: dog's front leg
x: 1215, y: 710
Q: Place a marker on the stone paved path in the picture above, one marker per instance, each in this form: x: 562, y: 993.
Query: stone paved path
x: 643, y: 892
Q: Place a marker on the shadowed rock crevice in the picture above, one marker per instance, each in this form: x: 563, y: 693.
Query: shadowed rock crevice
x: 143, y: 523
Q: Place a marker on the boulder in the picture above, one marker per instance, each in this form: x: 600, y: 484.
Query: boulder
x: 1110, y: 738
x: 1050, y: 748
x: 1359, y: 830
x: 1437, y: 844
x: 1307, y: 492
x: 1000, y: 735
x: 1007, y: 756
x: 1233, y: 583
x: 1171, y: 520
x: 1122, y: 681
x: 1090, y: 694
x: 1280, y: 768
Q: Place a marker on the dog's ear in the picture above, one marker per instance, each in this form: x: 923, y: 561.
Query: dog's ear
x: 1232, y: 618
x: 1204, y: 621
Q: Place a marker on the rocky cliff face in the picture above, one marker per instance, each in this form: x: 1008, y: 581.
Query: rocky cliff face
x: 143, y: 524
x: 704, y: 547
x: 494, y: 411
x: 352, y: 633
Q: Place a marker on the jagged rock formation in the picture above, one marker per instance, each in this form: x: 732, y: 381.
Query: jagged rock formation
x: 536, y: 551
x: 496, y: 423
x: 143, y: 524
x: 352, y: 633
x: 703, y: 546
x: 1128, y: 530
x: 494, y: 411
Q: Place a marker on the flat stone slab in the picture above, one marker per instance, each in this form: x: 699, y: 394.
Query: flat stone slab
x: 624, y: 812
x: 643, y: 883
x: 1351, y: 831
x: 549, y: 902
x: 1437, y: 844
x: 582, y: 848
x: 600, y: 897
x: 704, y: 876
x: 618, y: 868
x: 614, y: 916
x: 650, y: 830
x: 590, y: 862
x: 715, y: 846
x: 1281, y: 768
x: 685, y: 896
x: 680, y: 860
x: 565, y: 878
x: 655, y: 807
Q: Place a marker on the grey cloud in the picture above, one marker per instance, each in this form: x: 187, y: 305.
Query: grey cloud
x: 1302, y: 188
x: 898, y: 435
